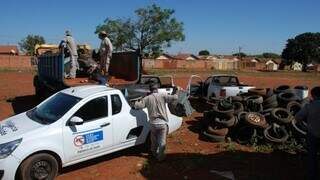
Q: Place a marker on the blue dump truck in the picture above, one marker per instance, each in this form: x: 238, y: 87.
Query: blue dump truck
x: 125, y: 70
x: 124, y: 66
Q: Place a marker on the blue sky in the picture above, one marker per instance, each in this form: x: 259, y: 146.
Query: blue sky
x: 218, y: 26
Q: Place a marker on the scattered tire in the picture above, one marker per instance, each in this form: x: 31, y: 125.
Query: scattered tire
x: 255, y: 120
x: 281, y: 88
x: 237, y: 107
x: 271, y: 105
x: 217, y: 131
x: 245, y: 135
x: 293, y: 107
x: 213, y: 138
x: 270, y: 99
x: 285, y: 97
x: 281, y: 116
x: 300, y: 127
x: 208, y: 117
x: 255, y: 98
x: 257, y: 91
x: 225, y: 121
x: 236, y: 98
x: 39, y: 166
x: 254, y: 107
x: 222, y: 113
x: 276, y: 133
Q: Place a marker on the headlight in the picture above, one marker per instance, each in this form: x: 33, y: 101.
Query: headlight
x: 7, y: 148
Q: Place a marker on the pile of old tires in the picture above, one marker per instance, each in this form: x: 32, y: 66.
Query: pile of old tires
x: 258, y: 116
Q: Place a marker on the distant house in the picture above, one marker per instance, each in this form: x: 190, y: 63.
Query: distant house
x: 165, y: 57
x: 272, y: 65
x: 229, y: 58
x: 186, y: 57
x: 208, y: 57
x: 9, y: 50
x: 296, y: 66
x: 250, y: 59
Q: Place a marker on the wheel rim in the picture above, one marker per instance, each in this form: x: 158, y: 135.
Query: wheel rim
x: 40, y: 170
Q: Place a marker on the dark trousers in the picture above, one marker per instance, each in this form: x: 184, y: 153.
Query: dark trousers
x: 313, y: 148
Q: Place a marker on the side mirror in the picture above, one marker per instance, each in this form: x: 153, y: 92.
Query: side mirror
x: 75, y: 120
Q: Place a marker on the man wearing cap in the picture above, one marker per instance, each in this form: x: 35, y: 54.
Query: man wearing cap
x: 105, y: 52
x: 158, y: 119
x: 69, y: 44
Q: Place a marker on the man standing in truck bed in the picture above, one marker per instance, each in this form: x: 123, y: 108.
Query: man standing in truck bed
x: 105, y: 52
x: 68, y: 44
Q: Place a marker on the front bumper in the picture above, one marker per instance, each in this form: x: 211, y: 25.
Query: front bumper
x: 8, y: 167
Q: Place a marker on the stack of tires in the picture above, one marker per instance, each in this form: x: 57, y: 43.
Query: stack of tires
x: 262, y: 114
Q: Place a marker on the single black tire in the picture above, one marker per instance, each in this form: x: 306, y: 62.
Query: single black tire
x: 217, y: 131
x: 271, y: 105
x: 285, y: 97
x: 276, y: 133
x: 294, y: 107
x: 257, y: 91
x: 227, y: 121
x: 208, y: 117
x: 269, y: 92
x: 255, y: 98
x: 300, y: 127
x: 222, y: 113
x: 245, y: 134
x: 255, y: 119
x: 281, y: 88
x: 39, y: 166
x: 270, y: 99
x: 214, y: 138
x: 236, y: 98
x: 281, y: 116
x: 237, y: 107
x: 241, y: 116
x: 252, y: 106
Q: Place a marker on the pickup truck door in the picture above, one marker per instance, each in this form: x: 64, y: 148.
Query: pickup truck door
x: 130, y: 126
x: 195, y: 88
x: 91, y: 137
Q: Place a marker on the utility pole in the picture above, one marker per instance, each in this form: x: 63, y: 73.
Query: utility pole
x: 239, y: 54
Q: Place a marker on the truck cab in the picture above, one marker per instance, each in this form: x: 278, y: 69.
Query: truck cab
x: 222, y: 85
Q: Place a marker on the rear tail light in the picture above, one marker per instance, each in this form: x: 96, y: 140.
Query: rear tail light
x: 222, y: 92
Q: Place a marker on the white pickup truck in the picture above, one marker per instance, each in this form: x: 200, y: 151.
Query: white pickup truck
x: 216, y: 86
x: 71, y: 126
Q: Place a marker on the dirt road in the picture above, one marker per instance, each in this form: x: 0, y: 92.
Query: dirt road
x: 189, y: 155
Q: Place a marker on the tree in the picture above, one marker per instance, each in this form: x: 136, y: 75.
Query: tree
x: 270, y: 55
x: 304, y: 48
x: 27, y: 44
x: 204, y: 53
x: 153, y: 30
x: 241, y: 54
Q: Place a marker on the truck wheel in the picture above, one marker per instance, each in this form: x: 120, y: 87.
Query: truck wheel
x: 39, y: 166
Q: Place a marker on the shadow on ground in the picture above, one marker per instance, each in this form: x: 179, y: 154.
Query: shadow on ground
x: 244, y: 165
x: 23, y: 103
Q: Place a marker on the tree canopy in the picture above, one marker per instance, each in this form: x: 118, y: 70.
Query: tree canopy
x: 152, y: 30
x: 204, y: 53
x: 241, y: 54
x: 28, y: 44
x: 304, y: 48
x: 270, y: 55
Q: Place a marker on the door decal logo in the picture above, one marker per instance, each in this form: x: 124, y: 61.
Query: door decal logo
x: 88, y: 138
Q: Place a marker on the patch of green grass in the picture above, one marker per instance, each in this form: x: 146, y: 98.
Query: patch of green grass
x: 180, y: 141
x: 230, y: 146
x: 265, y: 148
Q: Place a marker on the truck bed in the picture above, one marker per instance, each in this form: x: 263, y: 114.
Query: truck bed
x: 79, y: 81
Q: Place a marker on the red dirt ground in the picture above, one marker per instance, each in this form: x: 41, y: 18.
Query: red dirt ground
x: 189, y: 156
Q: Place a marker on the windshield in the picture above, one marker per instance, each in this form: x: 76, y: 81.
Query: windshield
x: 53, y: 109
